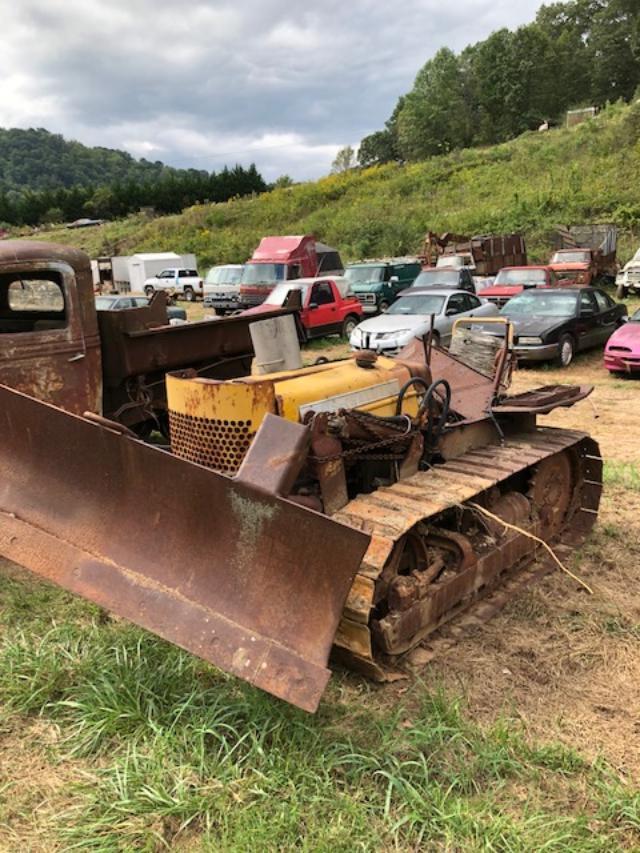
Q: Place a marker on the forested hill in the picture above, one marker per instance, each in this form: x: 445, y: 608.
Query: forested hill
x: 574, y: 54
x: 566, y: 176
x: 35, y: 159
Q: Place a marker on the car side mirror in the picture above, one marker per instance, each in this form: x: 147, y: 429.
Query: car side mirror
x: 450, y: 312
x: 313, y: 306
x: 394, y: 279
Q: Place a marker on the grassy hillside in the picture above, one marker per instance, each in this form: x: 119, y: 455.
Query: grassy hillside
x: 581, y: 175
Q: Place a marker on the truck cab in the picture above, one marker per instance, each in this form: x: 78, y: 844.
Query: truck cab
x: 326, y: 305
x: 279, y: 259
x: 377, y: 283
x: 573, y: 266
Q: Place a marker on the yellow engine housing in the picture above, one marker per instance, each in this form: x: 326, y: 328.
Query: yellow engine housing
x: 213, y: 422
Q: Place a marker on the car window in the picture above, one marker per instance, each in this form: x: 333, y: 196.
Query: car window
x: 34, y: 304
x: 473, y: 302
x: 604, y: 303
x: 457, y: 303
x: 322, y: 294
x: 166, y: 274
x: 587, y: 303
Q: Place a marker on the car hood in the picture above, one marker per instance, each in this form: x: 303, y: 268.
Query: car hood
x: 393, y: 323
x: 501, y: 290
x: 217, y: 289
x: 627, y: 335
x: 532, y: 326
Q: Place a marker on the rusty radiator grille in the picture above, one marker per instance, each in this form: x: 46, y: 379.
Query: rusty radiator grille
x: 214, y: 443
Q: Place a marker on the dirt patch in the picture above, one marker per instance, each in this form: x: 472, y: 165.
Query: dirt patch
x: 566, y: 663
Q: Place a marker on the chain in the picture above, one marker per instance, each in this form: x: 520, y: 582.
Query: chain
x: 364, y: 447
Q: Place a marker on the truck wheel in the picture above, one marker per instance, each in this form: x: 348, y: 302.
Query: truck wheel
x: 348, y: 326
x: 384, y: 306
x: 189, y: 295
x: 149, y: 291
x: 622, y: 292
x: 566, y: 349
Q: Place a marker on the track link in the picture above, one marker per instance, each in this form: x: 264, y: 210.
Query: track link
x: 390, y: 513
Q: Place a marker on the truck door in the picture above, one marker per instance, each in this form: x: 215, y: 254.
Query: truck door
x: 323, y: 310
x: 49, y: 342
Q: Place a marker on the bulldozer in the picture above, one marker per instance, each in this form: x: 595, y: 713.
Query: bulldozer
x: 348, y: 509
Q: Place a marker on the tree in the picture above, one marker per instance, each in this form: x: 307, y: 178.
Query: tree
x: 345, y: 159
x: 435, y: 117
x: 282, y: 182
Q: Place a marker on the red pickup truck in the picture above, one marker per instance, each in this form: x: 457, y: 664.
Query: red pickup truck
x: 326, y: 305
x: 511, y: 281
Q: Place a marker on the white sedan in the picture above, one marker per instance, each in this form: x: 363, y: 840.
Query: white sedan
x: 410, y: 317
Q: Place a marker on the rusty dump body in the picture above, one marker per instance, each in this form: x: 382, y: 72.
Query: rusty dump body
x: 352, y: 507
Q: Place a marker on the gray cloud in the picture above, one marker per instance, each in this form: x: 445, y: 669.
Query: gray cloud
x: 207, y: 83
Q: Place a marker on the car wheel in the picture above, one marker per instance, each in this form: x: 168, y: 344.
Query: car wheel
x: 348, y: 326
x: 566, y: 349
x: 384, y: 306
x: 189, y: 294
x: 149, y: 291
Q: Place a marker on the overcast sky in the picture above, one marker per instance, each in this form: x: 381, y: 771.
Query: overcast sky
x: 212, y: 82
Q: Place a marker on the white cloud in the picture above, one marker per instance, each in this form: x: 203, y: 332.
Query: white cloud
x: 206, y: 82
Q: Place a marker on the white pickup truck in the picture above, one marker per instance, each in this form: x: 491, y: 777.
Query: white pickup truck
x: 628, y: 279
x: 176, y: 281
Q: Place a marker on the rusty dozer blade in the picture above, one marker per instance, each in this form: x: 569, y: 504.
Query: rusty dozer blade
x: 244, y: 579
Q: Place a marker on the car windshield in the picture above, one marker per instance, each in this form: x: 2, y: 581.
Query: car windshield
x: 543, y: 304
x: 433, y: 278
x: 570, y: 258
x: 420, y: 303
x: 223, y: 275
x: 520, y: 276
x: 362, y: 275
x: 263, y: 273
x: 280, y: 291
x: 104, y: 303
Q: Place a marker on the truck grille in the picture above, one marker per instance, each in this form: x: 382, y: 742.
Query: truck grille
x: 366, y: 298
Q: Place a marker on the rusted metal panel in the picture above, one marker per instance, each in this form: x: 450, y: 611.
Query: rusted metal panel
x: 60, y: 361
x: 249, y: 581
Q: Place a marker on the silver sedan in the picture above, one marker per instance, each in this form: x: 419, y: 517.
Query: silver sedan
x: 410, y: 317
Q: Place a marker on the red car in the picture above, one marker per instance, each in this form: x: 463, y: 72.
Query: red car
x: 511, y: 281
x: 328, y: 307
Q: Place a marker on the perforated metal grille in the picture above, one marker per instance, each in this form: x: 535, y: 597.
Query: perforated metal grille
x: 217, y: 444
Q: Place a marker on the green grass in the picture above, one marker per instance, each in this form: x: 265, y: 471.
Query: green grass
x: 533, y: 183
x: 624, y: 474
x: 175, y: 752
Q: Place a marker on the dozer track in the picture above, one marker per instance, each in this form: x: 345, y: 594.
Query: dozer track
x: 432, y: 555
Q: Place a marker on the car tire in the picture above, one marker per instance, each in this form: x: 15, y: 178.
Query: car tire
x: 566, y: 351
x: 435, y: 339
x: 189, y: 294
x: 384, y: 306
x: 149, y: 291
x: 622, y: 291
x: 348, y: 326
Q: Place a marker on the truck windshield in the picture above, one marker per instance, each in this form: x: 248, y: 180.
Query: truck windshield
x: 521, y: 276
x: 263, y: 273
x: 571, y: 258
x: 421, y: 303
x: 363, y: 275
x: 433, y: 278
x: 542, y: 303
x: 223, y: 275
x: 280, y: 292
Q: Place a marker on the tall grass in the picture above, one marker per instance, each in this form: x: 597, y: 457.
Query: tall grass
x: 179, y: 753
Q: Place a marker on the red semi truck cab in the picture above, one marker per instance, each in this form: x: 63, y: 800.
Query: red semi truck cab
x: 279, y: 259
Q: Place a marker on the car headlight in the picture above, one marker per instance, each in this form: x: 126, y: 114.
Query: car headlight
x: 529, y: 342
